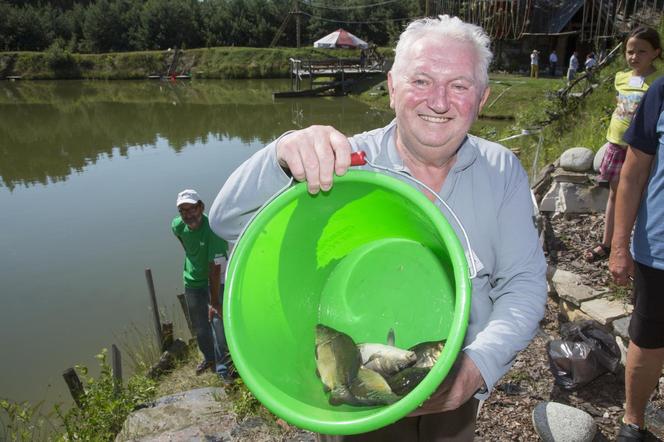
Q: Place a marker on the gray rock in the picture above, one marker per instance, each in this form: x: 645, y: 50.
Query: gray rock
x: 621, y: 326
x: 598, y: 158
x: 574, y: 198
x: 204, y: 415
x: 556, y: 422
x: 193, y: 415
x: 577, y: 159
x: 564, y: 176
x: 604, y: 310
x: 570, y: 286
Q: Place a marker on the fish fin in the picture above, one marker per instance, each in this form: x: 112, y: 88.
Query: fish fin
x: 341, y: 395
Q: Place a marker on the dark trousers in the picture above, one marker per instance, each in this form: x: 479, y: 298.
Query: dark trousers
x: 452, y: 426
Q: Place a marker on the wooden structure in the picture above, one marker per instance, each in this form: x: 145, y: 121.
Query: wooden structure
x: 339, y: 74
x: 171, y: 70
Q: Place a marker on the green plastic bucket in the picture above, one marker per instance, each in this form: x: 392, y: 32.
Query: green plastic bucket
x: 370, y: 255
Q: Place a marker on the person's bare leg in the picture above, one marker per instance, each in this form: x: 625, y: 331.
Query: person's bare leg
x: 642, y: 371
x: 610, y: 213
x: 601, y: 251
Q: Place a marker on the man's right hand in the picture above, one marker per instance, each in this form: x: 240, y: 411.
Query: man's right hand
x: 621, y: 265
x: 314, y: 155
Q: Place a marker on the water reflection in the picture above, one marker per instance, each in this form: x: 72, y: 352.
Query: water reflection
x: 50, y: 129
x: 89, y: 172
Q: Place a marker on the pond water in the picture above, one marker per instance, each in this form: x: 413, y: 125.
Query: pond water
x: 89, y: 172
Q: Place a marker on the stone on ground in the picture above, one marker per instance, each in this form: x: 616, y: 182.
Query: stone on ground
x: 574, y: 198
x: 556, y: 422
x: 598, y: 158
x: 196, y: 415
x: 577, y: 159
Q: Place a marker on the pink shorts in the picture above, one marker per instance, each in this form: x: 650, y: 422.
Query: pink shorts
x: 614, y: 157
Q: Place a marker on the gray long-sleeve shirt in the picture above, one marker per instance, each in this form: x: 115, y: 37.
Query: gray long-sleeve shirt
x: 488, y: 190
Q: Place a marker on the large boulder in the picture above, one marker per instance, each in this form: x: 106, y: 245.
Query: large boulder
x: 556, y: 422
x: 191, y: 415
x: 577, y: 159
x: 204, y: 414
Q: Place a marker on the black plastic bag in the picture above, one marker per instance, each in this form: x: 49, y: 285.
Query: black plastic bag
x: 585, y: 352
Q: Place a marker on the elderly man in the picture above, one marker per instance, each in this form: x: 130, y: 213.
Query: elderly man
x: 437, y: 86
x: 204, y: 264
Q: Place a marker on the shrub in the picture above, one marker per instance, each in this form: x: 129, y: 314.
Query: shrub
x: 104, y: 406
x: 23, y: 422
x: 59, y: 58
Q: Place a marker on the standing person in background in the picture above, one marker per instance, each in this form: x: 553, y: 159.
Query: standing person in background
x: 204, y: 264
x: 640, y: 199
x: 553, y: 63
x: 573, y: 67
x: 641, y: 49
x: 534, y: 64
x: 437, y: 86
x: 589, y: 66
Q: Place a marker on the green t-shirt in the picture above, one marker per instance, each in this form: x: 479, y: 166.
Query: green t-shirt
x: 202, y: 246
x: 630, y: 90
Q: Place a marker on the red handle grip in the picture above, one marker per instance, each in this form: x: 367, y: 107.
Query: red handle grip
x: 358, y: 158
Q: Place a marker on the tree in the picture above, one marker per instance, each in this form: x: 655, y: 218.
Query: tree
x: 28, y: 29
x: 171, y: 23
x: 215, y: 21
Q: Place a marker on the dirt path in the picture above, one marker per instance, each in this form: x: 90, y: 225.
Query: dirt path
x: 506, y: 416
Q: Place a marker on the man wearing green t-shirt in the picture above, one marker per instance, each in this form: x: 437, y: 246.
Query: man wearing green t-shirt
x: 204, y: 262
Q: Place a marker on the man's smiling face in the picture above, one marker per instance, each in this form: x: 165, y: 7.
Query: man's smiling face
x: 436, y: 96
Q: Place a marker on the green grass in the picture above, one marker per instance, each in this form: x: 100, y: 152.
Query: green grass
x: 218, y: 62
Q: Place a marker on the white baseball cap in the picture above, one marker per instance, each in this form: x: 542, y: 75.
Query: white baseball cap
x: 188, y: 196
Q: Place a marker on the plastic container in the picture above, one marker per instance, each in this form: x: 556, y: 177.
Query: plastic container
x: 370, y: 255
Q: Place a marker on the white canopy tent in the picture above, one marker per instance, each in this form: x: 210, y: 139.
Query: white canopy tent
x: 341, y: 39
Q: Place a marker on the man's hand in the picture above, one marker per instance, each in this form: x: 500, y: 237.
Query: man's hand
x: 461, y: 384
x: 314, y: 154
x: 621, y: 265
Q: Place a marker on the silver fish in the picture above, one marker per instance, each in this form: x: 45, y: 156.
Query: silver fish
x: 427, y: 353
x: 370, y: 388
x: 337, y: 363
x: 385, y: 359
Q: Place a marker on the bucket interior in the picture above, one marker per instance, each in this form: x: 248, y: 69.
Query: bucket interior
x: 370, y: 255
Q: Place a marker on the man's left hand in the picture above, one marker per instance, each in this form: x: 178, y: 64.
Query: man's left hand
x: 461, y: 384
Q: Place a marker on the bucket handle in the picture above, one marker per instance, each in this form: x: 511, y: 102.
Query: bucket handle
x: 359, y: 158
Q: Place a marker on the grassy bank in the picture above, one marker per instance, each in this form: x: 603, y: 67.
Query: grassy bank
x: 220, y: 62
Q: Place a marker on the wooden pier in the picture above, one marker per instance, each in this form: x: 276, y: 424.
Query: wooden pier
x: 340, y: 72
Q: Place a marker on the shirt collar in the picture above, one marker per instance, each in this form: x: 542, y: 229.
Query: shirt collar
x: 388, y: 155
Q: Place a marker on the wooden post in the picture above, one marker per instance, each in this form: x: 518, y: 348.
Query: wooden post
x: 75, y: 386
x: 155, y: 309
x: 185, y: 310
x: 116, y: 363
x: 296, y: 10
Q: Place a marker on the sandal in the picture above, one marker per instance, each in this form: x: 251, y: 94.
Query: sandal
x: 631, y: 432
x: 597, y: 253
